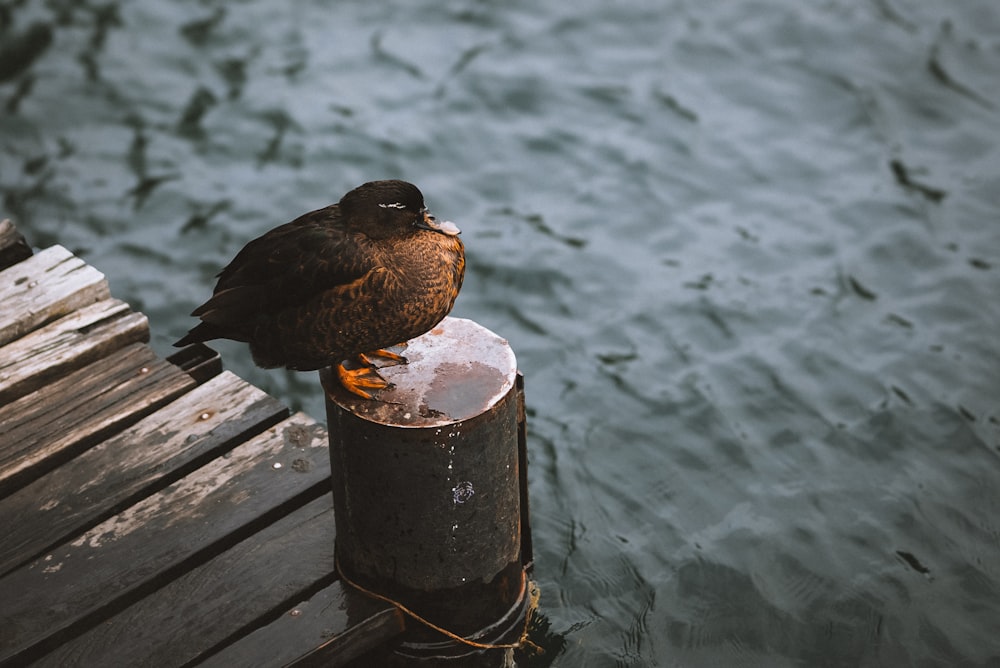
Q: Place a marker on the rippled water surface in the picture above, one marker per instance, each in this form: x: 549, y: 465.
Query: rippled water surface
x: 747, y: 253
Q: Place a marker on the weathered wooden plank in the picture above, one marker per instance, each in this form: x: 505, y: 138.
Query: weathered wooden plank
x: 13, y: 247
x: 132, y: 464
x: 236, y: 593
x: 45, y: 287
x: 67, y: 344
x: 142, y: 548
x: 332, y: 628
x: 56, y: 422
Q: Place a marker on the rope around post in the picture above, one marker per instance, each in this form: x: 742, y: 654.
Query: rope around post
x: 534, y: 593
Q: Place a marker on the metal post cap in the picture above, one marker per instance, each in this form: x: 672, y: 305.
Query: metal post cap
x: 454, y: 372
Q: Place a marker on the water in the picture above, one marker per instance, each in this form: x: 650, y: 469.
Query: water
x: 748, y: 255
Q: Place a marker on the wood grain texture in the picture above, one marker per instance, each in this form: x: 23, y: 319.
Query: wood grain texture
x: 58, y: 421
x: 204, y: 423
x: 45, y: 287
x: 239, y: 592
x: 335, y: 626
x: 62, y: 346
x: 144, y: 547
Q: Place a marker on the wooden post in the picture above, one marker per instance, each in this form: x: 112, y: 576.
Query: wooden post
x: 13, y: 247
x: 429, y: 490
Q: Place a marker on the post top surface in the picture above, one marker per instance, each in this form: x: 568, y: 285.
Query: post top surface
x: 454, y: 372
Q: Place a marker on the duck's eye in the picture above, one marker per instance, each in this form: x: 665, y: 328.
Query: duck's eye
x: 394, y: 205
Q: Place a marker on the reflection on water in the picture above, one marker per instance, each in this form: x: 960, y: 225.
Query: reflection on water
x: 747, y: 255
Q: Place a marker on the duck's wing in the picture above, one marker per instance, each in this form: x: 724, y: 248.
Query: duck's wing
x: 282, y: 269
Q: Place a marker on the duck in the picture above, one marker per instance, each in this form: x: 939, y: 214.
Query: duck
x: 339, y: 286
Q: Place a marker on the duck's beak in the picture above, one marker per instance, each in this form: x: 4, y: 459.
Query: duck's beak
x: 429, y: 222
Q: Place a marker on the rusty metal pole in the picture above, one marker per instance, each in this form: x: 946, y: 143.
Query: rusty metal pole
x: 430, y: 493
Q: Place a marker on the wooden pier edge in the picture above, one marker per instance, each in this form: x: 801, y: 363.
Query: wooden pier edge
x: 157, y: 512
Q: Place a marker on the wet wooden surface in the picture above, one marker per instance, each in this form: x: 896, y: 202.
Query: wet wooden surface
x: 153, y: 516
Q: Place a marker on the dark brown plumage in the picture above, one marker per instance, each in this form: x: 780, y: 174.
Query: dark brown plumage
x: 372, y: 271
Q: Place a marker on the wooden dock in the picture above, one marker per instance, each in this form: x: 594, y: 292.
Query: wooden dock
x: 155, y: 512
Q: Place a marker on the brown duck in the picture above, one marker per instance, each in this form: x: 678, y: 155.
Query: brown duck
x: 342, y: 282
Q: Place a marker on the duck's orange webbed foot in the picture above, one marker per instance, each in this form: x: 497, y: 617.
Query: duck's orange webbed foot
x: 391, y: 358
x: 359, y: 381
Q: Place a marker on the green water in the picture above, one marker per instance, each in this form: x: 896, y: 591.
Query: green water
x: 747, y: 254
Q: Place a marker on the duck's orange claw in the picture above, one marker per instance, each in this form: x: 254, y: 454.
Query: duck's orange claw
x: 358, y: 381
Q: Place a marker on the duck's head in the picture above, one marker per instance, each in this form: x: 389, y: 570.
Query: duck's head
x: 383, y: 209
